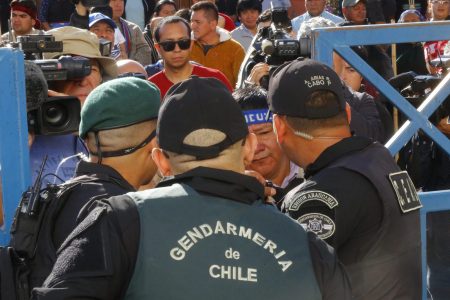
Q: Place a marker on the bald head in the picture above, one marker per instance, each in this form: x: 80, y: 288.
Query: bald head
x: 130, y: 66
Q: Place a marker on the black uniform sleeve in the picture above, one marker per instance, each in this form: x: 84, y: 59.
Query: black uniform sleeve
x: 348, y: 199
x: 97, y: 259
x: 330, y: 274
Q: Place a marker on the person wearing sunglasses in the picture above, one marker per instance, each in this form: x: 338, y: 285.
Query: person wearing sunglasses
x: 174, y: 44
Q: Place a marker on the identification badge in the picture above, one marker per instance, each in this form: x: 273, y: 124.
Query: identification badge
x: 406, y: 192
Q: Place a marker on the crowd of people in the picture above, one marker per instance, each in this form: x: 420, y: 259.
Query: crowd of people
x: 185, y: 177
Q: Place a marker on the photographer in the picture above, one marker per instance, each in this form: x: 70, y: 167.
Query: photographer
x: 79, y: 43
x: 269, y: 52
x: 23, y: 20
x: 429, y: 168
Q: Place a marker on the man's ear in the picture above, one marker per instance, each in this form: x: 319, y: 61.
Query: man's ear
x: 348, y: 110
x: 162, y: 162
x: 279, y: 127
x: 249, y: 148
x: 158, y: 48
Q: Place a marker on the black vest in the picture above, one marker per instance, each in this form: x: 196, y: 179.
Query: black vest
x: 392, y: 267
x: 196, y: 246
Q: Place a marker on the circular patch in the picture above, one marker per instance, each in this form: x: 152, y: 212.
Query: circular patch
x: 322, y: 225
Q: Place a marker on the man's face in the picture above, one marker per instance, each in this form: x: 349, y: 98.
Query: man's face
x: 269, y: 158
x: 350, y: 76
x: 411, y: 18
x: 103, y: 30
x: 22, y: 23
x: 315, y: 7
x: 439, y: 9
x: 201, y: 25
x: 249, y: 17
x: 357, y: 13
x: 167, y: 10
x: 177, y: 58
x: 118, y: 7
x: 82, y: 88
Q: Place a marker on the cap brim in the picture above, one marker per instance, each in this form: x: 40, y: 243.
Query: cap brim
x: 107, y: 21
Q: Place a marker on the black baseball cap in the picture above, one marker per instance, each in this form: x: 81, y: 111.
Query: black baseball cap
x: 292, y: 83
x: 194, y: 104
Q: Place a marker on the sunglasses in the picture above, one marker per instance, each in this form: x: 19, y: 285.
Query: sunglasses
x: 168, y: 46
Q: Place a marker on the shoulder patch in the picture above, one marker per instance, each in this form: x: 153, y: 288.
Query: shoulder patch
x: 312, y: 195
x: 322, y: 225
x: 91, y: 219
x: 405, y: 191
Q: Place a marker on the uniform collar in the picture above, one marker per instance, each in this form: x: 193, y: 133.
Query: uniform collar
x: 220, y: 183
x: 103, y: 172
x: 336, y: 151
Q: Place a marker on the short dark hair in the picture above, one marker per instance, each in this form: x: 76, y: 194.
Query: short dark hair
x: 159, y: 5
x: 247, y: 5
x: 320, y: 98
x: 252, y: 97
x: 171, y: 20
x: 210, y: 9
x: 184, y: 13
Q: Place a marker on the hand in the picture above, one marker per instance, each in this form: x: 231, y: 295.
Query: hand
x: 443, y: 126
x: 81, y: 9
x: 258, y: 71
x: 45, y: 26
x: 55, y: 94
x: 268, y: 191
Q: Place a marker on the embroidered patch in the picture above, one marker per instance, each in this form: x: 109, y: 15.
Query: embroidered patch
x: 322, y: 225
x: 406, y: 192
x: 312, y: 195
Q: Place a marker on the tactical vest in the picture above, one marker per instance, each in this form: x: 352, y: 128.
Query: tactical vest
x: 392, y: 267
x: 196, y: 246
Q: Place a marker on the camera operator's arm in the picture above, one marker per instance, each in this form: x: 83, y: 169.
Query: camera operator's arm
x: 365, y: 117
x: 80, y: 17
x: 258, y: 71
x: 43, y: 12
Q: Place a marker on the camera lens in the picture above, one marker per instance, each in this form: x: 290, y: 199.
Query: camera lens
x: 55, y: 115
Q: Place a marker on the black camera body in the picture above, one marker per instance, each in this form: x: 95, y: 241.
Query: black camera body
x: 50, y: 115
x: 33, y: 45
x: 416, y: 88
x: 56, y: 115
x: 274, y: 46
x: 65, y: 68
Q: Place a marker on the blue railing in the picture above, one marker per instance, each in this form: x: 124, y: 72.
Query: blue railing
x: 327, y: 40
x: 14, y: 154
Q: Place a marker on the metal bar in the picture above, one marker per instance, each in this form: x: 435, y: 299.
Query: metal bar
x: 326, y: 40
x: 431, y: 201
x: 386, y: 33
x: 14, y: 154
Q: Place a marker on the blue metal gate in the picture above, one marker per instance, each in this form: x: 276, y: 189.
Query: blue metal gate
x: 340, y: 39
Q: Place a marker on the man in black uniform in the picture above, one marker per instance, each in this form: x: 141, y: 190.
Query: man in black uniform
x: 118, y: 124
x: 355, y: 197
x: 205, y: 232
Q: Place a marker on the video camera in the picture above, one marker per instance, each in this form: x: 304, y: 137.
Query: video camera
x: 416, y: 88
x: 50, y: 115
x: 274, y: 46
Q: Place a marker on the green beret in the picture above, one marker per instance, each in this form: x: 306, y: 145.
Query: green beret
x: 119, y: 103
